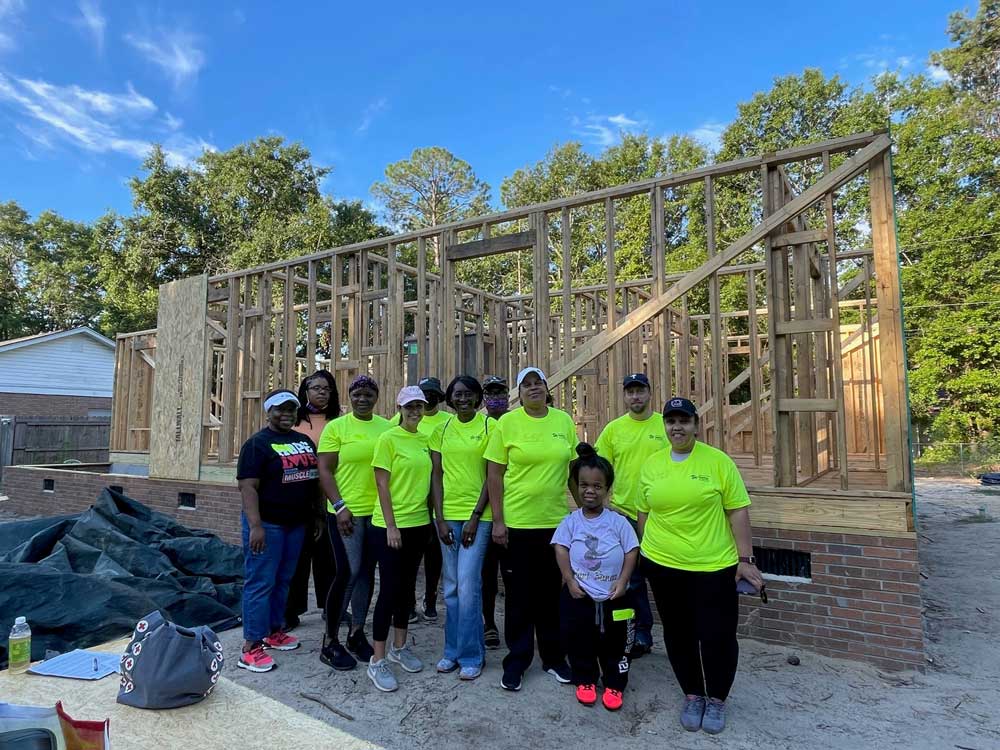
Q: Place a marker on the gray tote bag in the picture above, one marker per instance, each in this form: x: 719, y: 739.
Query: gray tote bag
x: 166, y: 666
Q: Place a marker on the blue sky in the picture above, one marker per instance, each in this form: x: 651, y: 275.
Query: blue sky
x: 86, y: 86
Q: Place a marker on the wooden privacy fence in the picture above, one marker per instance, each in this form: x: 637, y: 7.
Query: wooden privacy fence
x: 797, y: 368
x: 53, y: 440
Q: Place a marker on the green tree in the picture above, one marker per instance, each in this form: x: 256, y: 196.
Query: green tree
x: 62, y: 286
x: 16, y: 237
x: 432, y: 187
x: 256, y: 203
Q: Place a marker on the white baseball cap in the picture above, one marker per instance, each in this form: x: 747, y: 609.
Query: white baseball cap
x: 527, y: 371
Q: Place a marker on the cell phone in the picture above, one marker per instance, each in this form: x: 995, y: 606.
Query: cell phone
x: 743, y: 586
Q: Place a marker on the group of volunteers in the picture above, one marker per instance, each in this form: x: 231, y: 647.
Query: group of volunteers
x: 482, y: 489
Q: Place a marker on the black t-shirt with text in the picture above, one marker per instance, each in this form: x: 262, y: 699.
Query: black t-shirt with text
x: 285, y: 465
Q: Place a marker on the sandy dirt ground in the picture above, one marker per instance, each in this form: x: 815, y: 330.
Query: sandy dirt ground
x: 821, y: 703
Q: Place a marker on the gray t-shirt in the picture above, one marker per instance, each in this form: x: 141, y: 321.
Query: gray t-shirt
x: 597, y: 549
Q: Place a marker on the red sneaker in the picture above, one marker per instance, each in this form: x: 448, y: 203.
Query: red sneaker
x: 256, y: 660
x: 612, y: 699
x: 281, y: 641
x: 586, y: 694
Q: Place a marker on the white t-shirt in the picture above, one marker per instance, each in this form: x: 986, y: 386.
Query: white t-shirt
x: 597, y: 549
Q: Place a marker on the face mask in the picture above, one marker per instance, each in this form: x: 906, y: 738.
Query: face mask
x: 496, y: 403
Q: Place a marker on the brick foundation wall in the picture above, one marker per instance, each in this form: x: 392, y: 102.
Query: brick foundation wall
x: 34, y: 405
x: 217, y: 505
x: 862, y: 603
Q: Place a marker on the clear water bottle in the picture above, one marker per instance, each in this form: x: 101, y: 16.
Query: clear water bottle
x: 19, y: 647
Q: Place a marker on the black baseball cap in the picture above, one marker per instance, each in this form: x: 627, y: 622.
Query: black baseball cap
x: 636, y: 378
x: 680, y: 404
x: 430, y: 385
x: 494, y: 380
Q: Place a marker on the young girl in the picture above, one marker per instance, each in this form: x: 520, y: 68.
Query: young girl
x: 596, y: 550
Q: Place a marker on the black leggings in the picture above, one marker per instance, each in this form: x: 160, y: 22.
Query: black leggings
x: 397, y: 577
x: 699, y: 612
x: 433, y: 563
x: 491, y: 577
x: 315, y: 556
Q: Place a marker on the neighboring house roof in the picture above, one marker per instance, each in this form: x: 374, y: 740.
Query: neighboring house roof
x: 77, y: 362
x: 38, y: 338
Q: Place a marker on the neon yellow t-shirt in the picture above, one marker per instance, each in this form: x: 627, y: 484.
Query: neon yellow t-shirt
x: 537, y: 452
x: 427, y: 424
x: 354, y: 440
x: 687, y: 500
x: 404, y: 455
x: 461, y: 445
x: 627, y: 443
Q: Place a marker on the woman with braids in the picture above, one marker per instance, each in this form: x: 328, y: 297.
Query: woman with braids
x: 597, y: 550
x: 345, y: 450
x: 464, y: 523
x: 319, y: 404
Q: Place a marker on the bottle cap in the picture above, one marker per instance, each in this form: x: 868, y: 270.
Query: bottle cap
x: 20, y: 621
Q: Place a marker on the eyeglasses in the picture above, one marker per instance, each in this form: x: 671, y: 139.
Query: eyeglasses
x: 318, y: 389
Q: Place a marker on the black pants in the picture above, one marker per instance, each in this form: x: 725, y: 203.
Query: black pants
x: 432, y: 570
x: 699, y: 612
x: 491, y: 572
x: 316, y: 556
x: 531, y: 582
x: 596, y: 643
x: 397, y: 578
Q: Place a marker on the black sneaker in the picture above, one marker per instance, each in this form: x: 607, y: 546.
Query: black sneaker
x: 359, y: 646
x: 491, y: 637
x: 511, y: 681
x: 430, y: 611
x: 336, y: 656
x: 561, y: 672
x: 642, y: 645
x: 414, y: 617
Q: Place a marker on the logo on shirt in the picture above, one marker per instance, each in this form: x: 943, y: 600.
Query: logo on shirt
x: 298, y: 462
x: 700, y: 478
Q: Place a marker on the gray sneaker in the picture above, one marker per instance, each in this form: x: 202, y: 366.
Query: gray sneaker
x: 714, y: 720
x: 381, y: 675
x: 405, y: 658
x: 692, y: 712
x: 470, y: 673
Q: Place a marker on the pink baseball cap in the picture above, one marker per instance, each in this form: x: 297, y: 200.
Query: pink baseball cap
x: 409, y: 394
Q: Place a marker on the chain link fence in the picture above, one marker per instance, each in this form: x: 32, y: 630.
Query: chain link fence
x: 956, y: 459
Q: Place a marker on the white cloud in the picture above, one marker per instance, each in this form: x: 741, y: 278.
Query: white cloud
x: 176, y: 52
x: 603, y: 130
x: 904, y: 61
x: 622, y: 121
x: 938, y: 74
x: 709, y: 133
x: 94, y: 121
x: 9, y: 12
x: 92, y: 21
x: 371, y: 112
x: 172, y: 123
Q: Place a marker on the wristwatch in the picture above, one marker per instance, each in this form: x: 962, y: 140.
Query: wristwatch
x: 751, y: 560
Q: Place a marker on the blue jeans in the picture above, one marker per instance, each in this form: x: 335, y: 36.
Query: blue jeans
x: 267, y: 576
x: 463, y: 595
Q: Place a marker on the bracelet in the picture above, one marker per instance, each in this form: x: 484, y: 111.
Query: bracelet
x: 339, y: 505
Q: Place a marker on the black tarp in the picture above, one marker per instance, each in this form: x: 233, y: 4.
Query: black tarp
x: 86, y: 579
